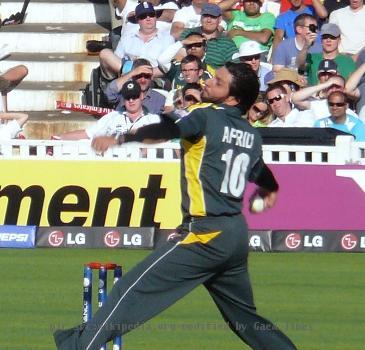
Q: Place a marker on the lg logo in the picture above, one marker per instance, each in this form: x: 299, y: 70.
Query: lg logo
x: 293, y: 240
x: 57, y: 238
x: 349, y: 241
x: 112, y: 239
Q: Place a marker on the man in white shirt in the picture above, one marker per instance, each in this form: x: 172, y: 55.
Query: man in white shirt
x: 147, y: 42
x: 351, y: 21
x: 284, y: 114
x: 117, y: 123
x: 187, y: 17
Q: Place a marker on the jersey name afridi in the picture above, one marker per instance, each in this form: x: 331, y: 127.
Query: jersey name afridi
x: 219, y: 149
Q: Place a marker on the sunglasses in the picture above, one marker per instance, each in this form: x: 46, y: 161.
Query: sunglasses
x: 133, y: 97
x: 276, y: 98
x: 143, y: 75
x: 331, y: 74
x: 328, y: 36
x: 190, y: 98
x: 336, y: 104
x: 145, y: 15
x: 250, y: 58
x: 259, y: 111
x: 196, y: 45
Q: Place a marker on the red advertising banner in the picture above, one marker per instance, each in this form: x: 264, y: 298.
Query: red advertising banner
x: 314, y: 197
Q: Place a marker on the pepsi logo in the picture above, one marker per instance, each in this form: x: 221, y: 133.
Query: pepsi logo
x: 56, y: 238
x: 349, y: 241
x: 293, y: 240
x: 112, y: 239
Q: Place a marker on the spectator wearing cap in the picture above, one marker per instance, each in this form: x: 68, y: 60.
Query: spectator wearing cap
x: 283, y: 112
x: 219, y: 48
x: 146, y: 42
x: 187, y: 17
x: 132, y: 117
x: 309, y: 62
x: 339, y: 119
x: 287, y: 51
x: 288, y: 78
x: 249, y: 24
x: 141, y: 72
x: 356, y: 86
x: 326, y: 70
x: 250, y: 52
x: 284, y: 24
x: 314, y: 98
x: 351, y: 21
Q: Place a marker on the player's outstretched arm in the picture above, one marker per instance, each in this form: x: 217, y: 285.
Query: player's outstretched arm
x: 153, y: 133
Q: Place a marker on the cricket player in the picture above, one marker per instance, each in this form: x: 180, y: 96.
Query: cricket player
x: 220, y: 152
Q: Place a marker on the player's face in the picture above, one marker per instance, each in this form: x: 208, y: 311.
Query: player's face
x: 337, y: 106
x: 217, y: 89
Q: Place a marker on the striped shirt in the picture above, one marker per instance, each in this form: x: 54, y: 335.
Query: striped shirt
x: 219, y: 49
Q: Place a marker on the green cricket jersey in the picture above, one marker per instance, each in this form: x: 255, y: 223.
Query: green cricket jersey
x: 219, y: 149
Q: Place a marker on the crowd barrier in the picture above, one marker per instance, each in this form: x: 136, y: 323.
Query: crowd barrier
x: 344, y: 151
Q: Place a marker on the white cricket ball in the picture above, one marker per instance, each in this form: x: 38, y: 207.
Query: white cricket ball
x: 257, y: 205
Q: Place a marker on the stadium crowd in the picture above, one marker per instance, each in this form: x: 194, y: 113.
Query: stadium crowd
x: 309, y: 57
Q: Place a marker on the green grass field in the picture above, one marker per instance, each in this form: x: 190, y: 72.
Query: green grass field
x: 316, y: 298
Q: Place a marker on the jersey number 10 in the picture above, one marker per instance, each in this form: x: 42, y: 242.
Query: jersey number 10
x: 234, y: 181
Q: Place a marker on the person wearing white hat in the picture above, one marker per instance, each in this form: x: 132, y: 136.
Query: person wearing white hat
x: 250, y: 53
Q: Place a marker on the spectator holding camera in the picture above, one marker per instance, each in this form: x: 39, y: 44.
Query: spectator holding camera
x: 330, y: 38
x: 285, y: 55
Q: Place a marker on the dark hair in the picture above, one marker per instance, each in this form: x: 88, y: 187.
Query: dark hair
x: 192, y: 58
x: 141, y: 62
x: 338, y: 93
x: 244, y: 85
x: 299, y: 20
x: 276, y: 86
x: 195, y: 86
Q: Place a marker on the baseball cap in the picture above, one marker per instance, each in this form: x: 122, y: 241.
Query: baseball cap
x: 286, y: 74
x: 248, y: 48
x: 211, y: 9
x: 327, y: 66
x: 143, y: 8
x: 331, y: 29
x: 130, y: 89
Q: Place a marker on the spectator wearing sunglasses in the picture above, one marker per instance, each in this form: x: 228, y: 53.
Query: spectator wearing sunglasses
x: 119, y: 122
x: 142, y: 73
x: 187, y: 98
x: 283, y: 112
x: 284, y: 24
x: 219, y: 47
x: 285, y: 55
x: 339, y: 119
x: 259, y: 115
x: 147, y: 42
x: 314, y: 98
x: 309, y: 62
x: 249, y: 24
x: 250, y: 53
x: 193, y: 45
